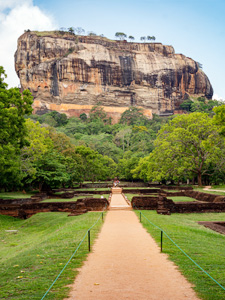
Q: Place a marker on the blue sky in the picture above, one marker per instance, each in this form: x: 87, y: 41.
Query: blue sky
x: 194, y: 28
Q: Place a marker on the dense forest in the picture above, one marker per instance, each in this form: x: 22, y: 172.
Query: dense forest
x: 51, y: 150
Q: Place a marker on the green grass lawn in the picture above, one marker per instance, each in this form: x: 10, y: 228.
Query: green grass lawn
x: 13, y: 195
x: 175, y: 199
x: 32, y: 258
x: 140, y: 188
x: 219, y: 187
x: 130, y: 196
x: 209, y: 192
x: 76, y: 198
x: 203, y: 245
x: 94, y: 189
x: 181, y: 199
x: 171, y: 191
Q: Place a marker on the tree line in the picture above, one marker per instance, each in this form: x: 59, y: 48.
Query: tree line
x: 118, y: 35
x: 51, y: 150
x: 34, y: 155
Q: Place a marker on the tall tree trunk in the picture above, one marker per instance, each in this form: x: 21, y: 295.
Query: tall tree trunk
x: 200, y: 179
x: 40, y: 186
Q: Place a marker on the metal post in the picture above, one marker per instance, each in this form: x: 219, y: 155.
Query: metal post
x: 161, y: 241
x: 140, y: 216
x: 89, y: 240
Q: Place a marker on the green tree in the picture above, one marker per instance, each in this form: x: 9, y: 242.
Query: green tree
x: 188, y: 146
x: 62, y: 144
x: 120, y: 35
x: 103, y: 144
x: 51, y: 171
x: 79, y: 30
x: 133, y: 116
x: 219, y: 118
x: 60, y: 118
x: 127, y: 164
x: 83, y: 117
x: 186, y: 105
x: 91, y: 33
x: 142, y: 140
x: 150, y: 38
x: 131, y: 38
x: 13, y: 108
x: 53, y: 118
x: 71, y: 30
x: 94, y: 165
x: 97, y: 112
x: 39, y: 144
x: 122, y: 138
x: 200, y: 104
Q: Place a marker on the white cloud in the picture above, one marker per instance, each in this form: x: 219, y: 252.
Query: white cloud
x: 217, y: 97
x: 15, y: 17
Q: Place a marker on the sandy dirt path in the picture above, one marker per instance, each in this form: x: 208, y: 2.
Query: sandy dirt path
x: 208, y: 188
x: 126, y: 263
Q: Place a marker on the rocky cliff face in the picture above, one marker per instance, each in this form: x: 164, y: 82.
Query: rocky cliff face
x: 72, y: 73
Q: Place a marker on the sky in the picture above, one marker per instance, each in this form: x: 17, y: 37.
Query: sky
x: 195, y: 28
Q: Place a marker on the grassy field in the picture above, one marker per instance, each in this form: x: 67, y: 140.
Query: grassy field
x: 206, y: 247
x: 181, y: 199
x: 209, y: 192
x: 94, y: 189
x: 13, y: 195
x: 139, y: 188
x: 218, y: 187
x: 18, y: 195
x: 32, y: 258
x: 130, y: 196
x: 76, y: 198
x: 175, y: 199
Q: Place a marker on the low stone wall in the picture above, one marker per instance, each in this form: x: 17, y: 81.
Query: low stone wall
x: 141, y: 191
x: 168, y: 206
x: 68, y: 194
x: 216, y: 226
x: 133, y: 184
x: 122, y: 184
x: 155, y: 191
x: 173, y: 194
x: 18, y: 201
x: 142, y: 202
x: 197, y: 207
x: 206, y: 197
x: 179, y: 188
x: 96, y: 185
x: 26, y: 210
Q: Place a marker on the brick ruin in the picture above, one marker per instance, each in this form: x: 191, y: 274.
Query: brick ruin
x: 202, y: 202
x: 155, y: 198
x: 25, y: 208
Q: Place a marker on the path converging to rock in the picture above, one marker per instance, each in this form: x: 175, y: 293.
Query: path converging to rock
x: 126, y: 263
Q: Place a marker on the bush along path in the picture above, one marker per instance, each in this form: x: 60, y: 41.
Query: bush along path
x: 126, y: 263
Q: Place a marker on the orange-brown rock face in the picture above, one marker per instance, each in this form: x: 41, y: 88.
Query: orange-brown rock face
x: 72, y: 73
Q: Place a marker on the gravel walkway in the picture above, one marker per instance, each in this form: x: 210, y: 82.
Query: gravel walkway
x: 126, y: 263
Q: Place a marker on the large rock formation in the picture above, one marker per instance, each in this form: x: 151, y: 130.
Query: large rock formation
x: 71, y: 73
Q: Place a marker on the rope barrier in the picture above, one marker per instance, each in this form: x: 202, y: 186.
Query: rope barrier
x: 72, y: 255
x: 182, y: 250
